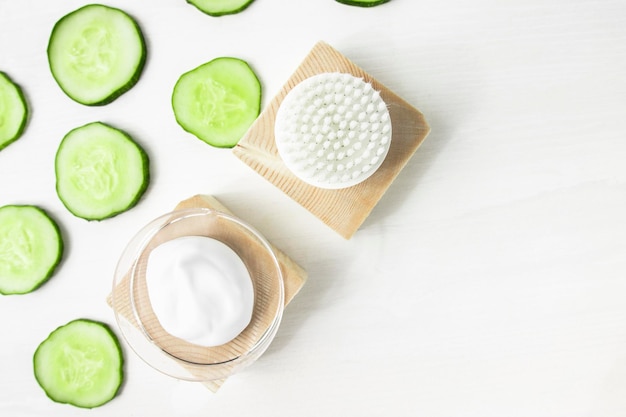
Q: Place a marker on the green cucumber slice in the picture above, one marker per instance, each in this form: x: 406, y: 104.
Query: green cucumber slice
x: 100, y: 171
x: 96, y: 54
x: 218, y: 101
x: 80, y: 363
x: 31, y: 247
x: 363, y: 3
x: 13, y: 111
x: 220, y: 7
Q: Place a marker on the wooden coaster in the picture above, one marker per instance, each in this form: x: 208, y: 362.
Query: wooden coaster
x: 344, y: 210
x: 293, y: 280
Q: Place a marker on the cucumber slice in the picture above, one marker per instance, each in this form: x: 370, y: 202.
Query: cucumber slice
x: 100, y: 171
x: 220, y: 7
x: 31, y: 247
x: 218, y: 101
x: 80, y: 363
x: 363, y: 3
x: 96, y: 54
x: 13, y: 111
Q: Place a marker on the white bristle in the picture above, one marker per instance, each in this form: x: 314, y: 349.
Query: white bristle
x: 333, y: 130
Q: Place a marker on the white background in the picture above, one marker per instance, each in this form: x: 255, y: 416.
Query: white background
x: 490, y: 279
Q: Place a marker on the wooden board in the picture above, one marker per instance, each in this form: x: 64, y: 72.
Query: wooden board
x: 293, y: 279
x: 346, y: 209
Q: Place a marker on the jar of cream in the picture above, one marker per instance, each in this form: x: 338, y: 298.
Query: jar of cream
x: 198, y: 294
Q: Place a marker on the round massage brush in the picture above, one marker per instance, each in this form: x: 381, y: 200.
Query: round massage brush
x: 333, y: 130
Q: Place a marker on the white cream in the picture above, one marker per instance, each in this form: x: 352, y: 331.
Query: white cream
x: 200, y: 290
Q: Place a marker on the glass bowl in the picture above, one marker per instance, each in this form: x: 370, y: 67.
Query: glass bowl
x: 176, y: 357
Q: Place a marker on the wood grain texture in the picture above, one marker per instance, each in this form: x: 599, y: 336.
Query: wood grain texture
x: 344, y: 210
x: 131, y: 296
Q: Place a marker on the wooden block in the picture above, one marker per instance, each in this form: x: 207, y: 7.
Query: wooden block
x: 344, y: 210
x: 294, y: 278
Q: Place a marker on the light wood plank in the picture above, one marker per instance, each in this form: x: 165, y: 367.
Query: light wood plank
x: 344, y: 210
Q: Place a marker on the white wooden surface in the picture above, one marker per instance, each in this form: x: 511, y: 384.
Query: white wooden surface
x: 489, y: 281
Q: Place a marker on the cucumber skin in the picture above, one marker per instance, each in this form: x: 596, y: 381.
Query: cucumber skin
x: 57, y: 261
x: 22, y: 127
x: 217, y: 14
x: 361, y: 4
x: 119, y: 350
x: 131, y: 82
x: 140, y: 192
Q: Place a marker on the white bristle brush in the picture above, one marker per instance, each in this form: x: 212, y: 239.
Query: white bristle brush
x: 333, y: 130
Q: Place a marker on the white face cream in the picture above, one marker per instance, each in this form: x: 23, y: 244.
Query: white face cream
x: 200, y: 290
